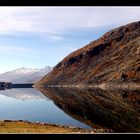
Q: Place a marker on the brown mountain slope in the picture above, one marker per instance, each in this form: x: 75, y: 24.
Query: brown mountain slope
x: 115, y: 57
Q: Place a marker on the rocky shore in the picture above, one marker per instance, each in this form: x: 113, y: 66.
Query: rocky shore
x: 105, y: 86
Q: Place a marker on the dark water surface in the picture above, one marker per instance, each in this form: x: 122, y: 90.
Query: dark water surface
x: 87, y: 108
x: 117, y: 110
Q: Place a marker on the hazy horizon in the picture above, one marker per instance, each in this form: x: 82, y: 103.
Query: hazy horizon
x: 35, y: 37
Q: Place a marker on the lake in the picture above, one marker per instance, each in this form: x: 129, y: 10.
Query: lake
x: 86, y: 108
x: 31, y: 105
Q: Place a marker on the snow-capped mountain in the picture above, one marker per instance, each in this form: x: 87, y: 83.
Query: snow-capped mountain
x: 25, y: 75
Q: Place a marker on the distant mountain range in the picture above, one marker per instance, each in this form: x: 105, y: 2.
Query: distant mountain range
x: 25, y: 75
x: 115, y: 58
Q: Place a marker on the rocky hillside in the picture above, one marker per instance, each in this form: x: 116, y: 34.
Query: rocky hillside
x: 115, y: 57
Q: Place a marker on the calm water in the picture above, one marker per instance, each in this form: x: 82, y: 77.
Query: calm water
x: 31, y: 105
x: 87, y: 108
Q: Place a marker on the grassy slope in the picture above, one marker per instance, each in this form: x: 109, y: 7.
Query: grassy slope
x: 27, y: 127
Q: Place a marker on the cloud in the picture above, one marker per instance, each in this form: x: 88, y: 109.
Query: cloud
x: 55, y: 20
x: 13, y: 49
x: 56, y: 37
x: 33, y: 34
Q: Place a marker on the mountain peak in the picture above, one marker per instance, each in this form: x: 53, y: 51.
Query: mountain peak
x: 25, y: 75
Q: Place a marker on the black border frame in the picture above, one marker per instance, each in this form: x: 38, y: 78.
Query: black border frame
x: 69, y: 3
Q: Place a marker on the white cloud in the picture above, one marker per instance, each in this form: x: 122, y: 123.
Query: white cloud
x: 13, y: 49
x: 55, y: 20
x: 53, y: 23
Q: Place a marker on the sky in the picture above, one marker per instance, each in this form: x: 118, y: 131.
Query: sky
x: 35, y: 37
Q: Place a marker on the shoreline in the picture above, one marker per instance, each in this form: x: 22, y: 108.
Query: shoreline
x: 21, y: 126
x: 103, y: 86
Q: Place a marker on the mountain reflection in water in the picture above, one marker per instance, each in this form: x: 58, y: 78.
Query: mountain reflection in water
x: 117, y: 110
x: 23, y: 93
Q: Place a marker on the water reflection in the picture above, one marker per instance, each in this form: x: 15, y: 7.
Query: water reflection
x: 23, y: 94
x: 31, y: 105
x: 118, y: 110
